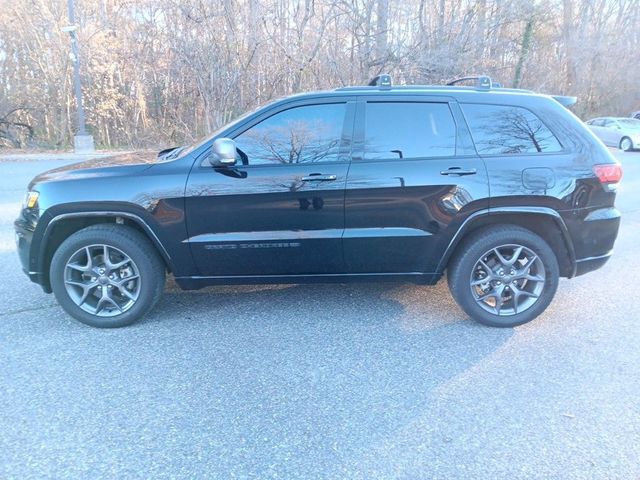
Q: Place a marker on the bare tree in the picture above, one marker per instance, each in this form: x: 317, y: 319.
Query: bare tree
x: 168, y: 71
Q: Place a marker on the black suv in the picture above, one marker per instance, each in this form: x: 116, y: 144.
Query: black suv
x: 504, y: 189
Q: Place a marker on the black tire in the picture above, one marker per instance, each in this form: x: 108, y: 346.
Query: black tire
x: 626, y: 145
x: 150, y: 268
x: 464, y: 268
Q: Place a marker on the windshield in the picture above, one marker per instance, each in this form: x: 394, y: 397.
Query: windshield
x: 629, y: 123
x: 208, y: 138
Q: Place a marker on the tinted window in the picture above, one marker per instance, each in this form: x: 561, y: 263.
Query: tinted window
x: 408, y: 130
x: 305, y: 134
x: 506, y: 130
x: 631, y: 123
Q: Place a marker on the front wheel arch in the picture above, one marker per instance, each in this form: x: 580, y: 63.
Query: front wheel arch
x: 65, y: 225
x: 107, y: 275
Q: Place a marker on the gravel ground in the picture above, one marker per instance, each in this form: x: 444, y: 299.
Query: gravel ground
x: 322, y: 381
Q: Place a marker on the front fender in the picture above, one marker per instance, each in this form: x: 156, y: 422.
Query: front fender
x: 165, y: 229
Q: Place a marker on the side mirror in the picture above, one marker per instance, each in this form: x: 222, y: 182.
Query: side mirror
x: 223, y: 153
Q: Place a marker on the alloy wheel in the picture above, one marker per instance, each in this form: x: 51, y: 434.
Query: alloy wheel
x: 102, y: 280
x: 507, y: 280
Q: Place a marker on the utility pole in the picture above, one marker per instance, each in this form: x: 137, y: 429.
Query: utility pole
x: 82, y: 141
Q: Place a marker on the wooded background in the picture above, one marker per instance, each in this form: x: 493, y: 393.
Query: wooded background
x: 165, y: 72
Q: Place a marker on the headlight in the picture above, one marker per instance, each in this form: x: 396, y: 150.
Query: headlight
x: 31, y: 199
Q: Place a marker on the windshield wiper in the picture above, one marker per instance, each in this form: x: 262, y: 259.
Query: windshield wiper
x: 170, y: 153
x: 175, y: 152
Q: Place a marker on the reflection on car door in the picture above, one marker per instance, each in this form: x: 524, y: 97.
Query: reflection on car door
x: 280, y: 210
x: 413, y: 179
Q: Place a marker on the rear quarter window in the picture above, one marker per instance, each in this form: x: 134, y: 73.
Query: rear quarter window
x: 508, y: 130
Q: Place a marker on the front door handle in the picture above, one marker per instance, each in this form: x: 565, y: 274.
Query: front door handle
x: 319, y: 177
x: 458, y: 171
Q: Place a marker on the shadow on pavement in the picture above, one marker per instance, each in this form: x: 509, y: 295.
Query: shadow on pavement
x: 295, y: 375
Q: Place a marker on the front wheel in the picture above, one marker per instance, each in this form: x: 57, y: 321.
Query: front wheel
x: 626, y: 144
x: 504, y: 276
x: 107, y: 275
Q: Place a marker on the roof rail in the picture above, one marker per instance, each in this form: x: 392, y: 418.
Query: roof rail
x: 482, y: 82
x: 382, y: 81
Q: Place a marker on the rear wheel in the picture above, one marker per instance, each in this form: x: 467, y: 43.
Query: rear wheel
x: 504, y: 276
x: 626, y: 144
x: 107, y: 275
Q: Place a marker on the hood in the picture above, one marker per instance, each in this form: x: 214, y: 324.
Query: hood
x: 114, y: 165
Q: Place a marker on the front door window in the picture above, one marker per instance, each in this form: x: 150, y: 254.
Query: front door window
x: 301, y: 135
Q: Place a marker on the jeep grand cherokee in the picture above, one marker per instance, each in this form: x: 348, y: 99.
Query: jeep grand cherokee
x: 505, y: 190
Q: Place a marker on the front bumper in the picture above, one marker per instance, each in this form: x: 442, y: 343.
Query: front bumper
x: 24, y: 238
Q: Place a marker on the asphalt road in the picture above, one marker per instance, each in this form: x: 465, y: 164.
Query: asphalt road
x: 323, y: 381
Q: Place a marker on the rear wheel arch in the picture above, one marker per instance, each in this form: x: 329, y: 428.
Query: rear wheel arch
x: 625, y: 144
x: 504, y: 276
x: 65, y: 225
x: 542, y: 221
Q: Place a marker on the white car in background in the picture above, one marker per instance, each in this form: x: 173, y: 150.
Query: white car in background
x: 621, y: 132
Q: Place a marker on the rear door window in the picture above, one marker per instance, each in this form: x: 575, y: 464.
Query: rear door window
x: 402, y: 130
x: 507, y: 130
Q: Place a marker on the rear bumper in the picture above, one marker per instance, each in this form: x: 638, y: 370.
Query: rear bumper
x: 586, y: 265
x: 593, y: 233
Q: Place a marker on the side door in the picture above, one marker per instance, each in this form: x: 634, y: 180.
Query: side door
x: 280, y: 209
x: 596, y: 125
x: 414, y: 178
x: 617, y: 132
x: 611, y: 133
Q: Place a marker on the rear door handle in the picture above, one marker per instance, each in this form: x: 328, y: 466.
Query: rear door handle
x: 458, y: 171
x: 319, y: 177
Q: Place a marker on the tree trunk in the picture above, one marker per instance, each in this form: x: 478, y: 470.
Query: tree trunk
x: 524, y: 51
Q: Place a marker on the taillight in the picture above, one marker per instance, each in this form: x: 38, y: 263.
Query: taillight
x: 608, y: 173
